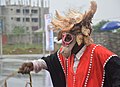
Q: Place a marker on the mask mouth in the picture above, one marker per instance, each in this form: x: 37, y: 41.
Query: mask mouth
x: 67, y: 38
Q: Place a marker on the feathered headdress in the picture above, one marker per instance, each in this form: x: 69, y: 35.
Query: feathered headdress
x: 66, y: 23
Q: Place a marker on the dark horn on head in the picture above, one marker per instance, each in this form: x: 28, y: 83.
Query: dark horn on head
x: 90, y: 13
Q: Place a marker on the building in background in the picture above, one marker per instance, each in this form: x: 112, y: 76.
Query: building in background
x: 25, y: 15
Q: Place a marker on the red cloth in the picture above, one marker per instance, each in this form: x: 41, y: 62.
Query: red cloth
x: 95, y: 55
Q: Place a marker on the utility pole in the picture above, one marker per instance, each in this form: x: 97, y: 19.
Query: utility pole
x: 1, y: 50
x: 42, y: 25
x: 1, y: 29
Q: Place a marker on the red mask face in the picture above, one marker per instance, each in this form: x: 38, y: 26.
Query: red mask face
x: 67, y: 38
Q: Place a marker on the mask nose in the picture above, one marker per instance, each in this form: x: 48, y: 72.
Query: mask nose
x: 66, y: 52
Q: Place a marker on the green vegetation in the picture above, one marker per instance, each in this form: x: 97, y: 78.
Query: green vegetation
x: 99, y: 25
x: 22, y: 49
x: 18, y: 30
x: 19, y: 47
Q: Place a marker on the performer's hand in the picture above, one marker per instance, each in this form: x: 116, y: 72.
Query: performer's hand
x: 26, y: 68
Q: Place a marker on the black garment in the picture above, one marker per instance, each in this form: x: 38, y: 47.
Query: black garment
x: 112, y: 71
x: 55, y: 70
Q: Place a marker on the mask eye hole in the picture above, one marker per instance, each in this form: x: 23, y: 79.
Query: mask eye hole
x: 67, y: 39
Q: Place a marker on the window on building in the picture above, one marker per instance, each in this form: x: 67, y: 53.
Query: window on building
x: 18, y: 19
x: 11, y: 9
x: 11, y: 18
x: 17, y: 10
x: 27, y: 28
x: 25, y: 11
x: 23, y: 19
x: 35, y: 11
x: 34, y: 28
x: 34, y: 19
x: 27, y: 19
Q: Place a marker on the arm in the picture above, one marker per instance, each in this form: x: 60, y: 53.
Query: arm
x: 35, y: 65
x: 39, y: 64
x: 112, y: 73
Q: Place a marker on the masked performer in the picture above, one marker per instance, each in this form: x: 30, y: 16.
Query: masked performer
x: 79, y: 62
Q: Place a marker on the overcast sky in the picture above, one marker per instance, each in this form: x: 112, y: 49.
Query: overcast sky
x: 107, y: 9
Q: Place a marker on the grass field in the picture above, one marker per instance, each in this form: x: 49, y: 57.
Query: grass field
x: 22, y: 49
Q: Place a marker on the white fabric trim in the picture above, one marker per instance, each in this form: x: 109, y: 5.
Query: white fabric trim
x: 90, y: 65
x: 61, y: 62
x: 104, y: 69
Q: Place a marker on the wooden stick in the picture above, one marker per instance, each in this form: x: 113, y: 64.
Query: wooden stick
x: 30, y: 77
x: 13, y: 74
